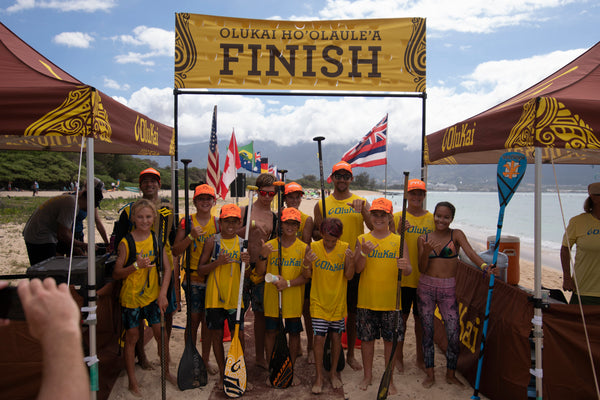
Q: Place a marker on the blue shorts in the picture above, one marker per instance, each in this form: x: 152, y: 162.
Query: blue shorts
x: 292, y: 325
x: 215, y: 319
x: 371, y: 325
x: 133, y: 316
x: 197, y: 296
x: 322, y: 326
x: 254, y: 294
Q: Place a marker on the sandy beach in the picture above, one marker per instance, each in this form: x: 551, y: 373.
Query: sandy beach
x: 13, y: 260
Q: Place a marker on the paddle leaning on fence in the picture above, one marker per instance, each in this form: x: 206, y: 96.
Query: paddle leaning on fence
x: 235, y: 378
x: 511, y: 169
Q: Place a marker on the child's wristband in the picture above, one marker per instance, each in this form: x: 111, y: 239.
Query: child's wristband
x: 190, y: 237
x: 483, y: 266
x: 135, y: 265
x: 288, y: 282
x: 363, y: 254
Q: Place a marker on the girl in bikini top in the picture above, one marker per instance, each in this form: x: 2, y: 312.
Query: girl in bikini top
x: 448, y: 251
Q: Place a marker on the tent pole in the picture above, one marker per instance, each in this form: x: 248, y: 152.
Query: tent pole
x: 175, y: 159
x: 538, y: 333
x: 423, y: 139
x: 92, y: 359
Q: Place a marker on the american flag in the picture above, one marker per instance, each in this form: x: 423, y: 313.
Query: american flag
x: 372, y: 148
x: 212, y: 168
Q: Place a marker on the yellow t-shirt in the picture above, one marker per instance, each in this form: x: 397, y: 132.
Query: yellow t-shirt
x: 303, y: 218
x: 584, y: 231
x: 292, y: 299
x: 379, y: 280
x: 419, y: 226
x: 329, y: 285
x: 352, y: 220
x: 141, y: 287
x: 197, y: 245
x: 223, y: 283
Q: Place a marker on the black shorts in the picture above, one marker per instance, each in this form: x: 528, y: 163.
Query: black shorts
x: 409, y: 298
x: 352, y: 294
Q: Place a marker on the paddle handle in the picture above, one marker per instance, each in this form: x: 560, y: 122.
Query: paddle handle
x: 238, y: 312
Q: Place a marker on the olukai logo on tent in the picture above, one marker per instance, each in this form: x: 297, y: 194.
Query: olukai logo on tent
x: 145, y: 132
x: 458, y: 136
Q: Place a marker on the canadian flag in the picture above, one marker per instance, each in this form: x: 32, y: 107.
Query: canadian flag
x: 232, y: 164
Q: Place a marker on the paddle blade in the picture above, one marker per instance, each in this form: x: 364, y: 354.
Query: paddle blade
x: 192, y: 371
x: 281, y: 370
x: 234, y: 381
x: 511, y: 169
x: 384, y: 384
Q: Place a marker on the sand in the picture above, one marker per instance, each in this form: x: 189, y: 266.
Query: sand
x: 13, y: 260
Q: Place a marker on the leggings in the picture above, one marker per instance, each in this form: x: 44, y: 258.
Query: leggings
x: 440, y: 292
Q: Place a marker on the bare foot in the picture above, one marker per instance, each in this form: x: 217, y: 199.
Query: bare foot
x: 296, y: 381
x: 135, y: 391
x: 249, y: 386
x: 400, y: 366
x: 262, y: 364
x: 365, y: 383
x: 219, y: 385
x: 145, y: 364
x: 317, y: 388
x: 392, y: 389
x: 428, y: 382
x: 336, y: 382
x: 212, y: 368
x: 420, y: 365
x: 354, y: 364
x: 310, y: 356
x: 171, y: 379
x: 451, y: 379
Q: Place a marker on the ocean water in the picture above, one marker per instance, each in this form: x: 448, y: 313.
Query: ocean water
x: 477, y: 216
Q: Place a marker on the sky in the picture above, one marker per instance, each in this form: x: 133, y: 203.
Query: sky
x: 479, y: 53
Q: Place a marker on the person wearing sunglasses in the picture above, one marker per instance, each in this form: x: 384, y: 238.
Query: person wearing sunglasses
x: 262, y: 228
x: 353, y: 211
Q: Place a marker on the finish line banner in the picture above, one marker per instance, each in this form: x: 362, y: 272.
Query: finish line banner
x: 351, y: 55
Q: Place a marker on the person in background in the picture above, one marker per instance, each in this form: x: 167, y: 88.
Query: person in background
x: 378, y: 261
x: 263, y: 227
x: 53, y: 318
x: 292, y: 198
x: 419, y: 222
x: 203, y: 225
x: 35, y: 187
x: 52, y: 223
x: 353, y: 211
x: 438, y: 263
x: 584, y: 232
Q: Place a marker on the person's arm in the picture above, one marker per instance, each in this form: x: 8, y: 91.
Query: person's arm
x: 317, y: 222
x: 404, y: 261
x: 122, y: 271
x: 163, y: 299
x: 100, y: 226
x: 261, y: 263
x: 424, y: 250
x: 53, y: 319
x: 349, y: 267
x: 366, y: 214
x: 309, y: 258
x: 466, y: 246
x: 565, y: 262
x: 204, y: 266
x: 64, y: 235
x: 307, y: 233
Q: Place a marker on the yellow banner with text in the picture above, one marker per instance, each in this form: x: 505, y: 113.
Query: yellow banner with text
x: 350, y: 55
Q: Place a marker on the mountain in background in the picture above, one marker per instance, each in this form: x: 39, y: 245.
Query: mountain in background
x: 302, y: 159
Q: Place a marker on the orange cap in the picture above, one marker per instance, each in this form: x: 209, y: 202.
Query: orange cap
x: 204, y: 189
x: 416, y: 184
x: 291, y: 214
x: 230, y: 210
x: 342, y: 165
x: 293, y: 187
x: 382, y: 204
x: 150, y: 171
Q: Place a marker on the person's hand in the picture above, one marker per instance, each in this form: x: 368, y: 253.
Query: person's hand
x: 3, y: 284
x: 266, y: 249
x: 404, y: 265
x: 223, y: 258
x: 357, y: 204
x: 407, y: 226
x: 143, y: 262
x: 245, y: 257
x: 162, y: 302
x: 349, y: 253
x: 366, y: 247
x: 568, y: 283
x: 50, y: 310
x: 196, y: 232
x: 309, y: 257
x: 281, y: 283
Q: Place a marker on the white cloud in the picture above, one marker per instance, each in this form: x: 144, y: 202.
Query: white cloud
x: 74, y: 39
x: 159, y: 43
x: 63, y: 5
x: 112, y: 84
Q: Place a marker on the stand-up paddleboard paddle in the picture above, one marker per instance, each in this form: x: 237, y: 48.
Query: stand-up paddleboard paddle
x: 192, y: 371
x: 281, y: 370
x: 235, y: 378
x: 384, y: 385
x: 327, y: 346
x: 511, y: 169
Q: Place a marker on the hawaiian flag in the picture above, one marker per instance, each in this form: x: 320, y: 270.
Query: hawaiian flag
x: 371, y: 150
x: 212, y: 168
